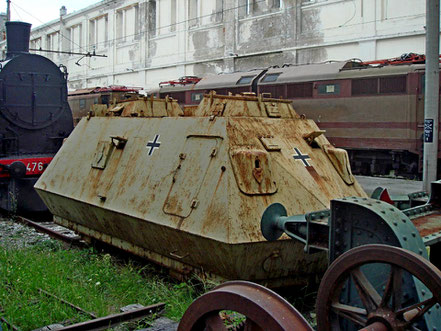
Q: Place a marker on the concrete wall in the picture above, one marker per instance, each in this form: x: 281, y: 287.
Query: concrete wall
x: 151, y: 41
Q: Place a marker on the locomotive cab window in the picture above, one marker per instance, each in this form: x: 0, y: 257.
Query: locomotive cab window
x: 364, y: 86
x: 393, y: 84
x: 245, y: 80
x: 328, y: 89
x: 82, y: 104
x: 196, y: 96
x: 105, y: 99
x: 270, y: 78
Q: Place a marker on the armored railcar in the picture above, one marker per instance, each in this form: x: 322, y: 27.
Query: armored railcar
x: 187, y: 190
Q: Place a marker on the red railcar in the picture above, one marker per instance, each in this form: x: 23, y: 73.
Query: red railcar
x: 374, y: 112
x: 81, y: 100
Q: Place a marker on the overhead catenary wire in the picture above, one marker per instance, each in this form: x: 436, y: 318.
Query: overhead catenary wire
x: 310, y: 35
x: 221, y: 12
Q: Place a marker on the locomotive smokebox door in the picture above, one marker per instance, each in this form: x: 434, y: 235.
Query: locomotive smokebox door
x: 34, y: 119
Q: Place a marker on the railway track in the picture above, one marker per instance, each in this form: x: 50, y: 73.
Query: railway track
x: 53, y: 230
x: 127, y: 314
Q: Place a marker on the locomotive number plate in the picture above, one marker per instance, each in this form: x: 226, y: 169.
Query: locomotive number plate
x: 34, y: 166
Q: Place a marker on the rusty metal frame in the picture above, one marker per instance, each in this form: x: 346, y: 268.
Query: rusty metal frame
x: 79, y: 309
x: 106, y: 322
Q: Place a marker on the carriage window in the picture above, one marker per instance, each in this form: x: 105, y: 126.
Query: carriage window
x: 82, y: 103
x: 393, y: 84
x: 95, y: 101
x: 105, y: 99
x: 325, y: 89
x: 270, y: 78
x: 196, y: 96
x: 300, y: 90
x: 364, y: 86
x: 245, y: 80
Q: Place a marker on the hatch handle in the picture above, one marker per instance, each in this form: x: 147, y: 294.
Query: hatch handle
x: 175, y: 255
x: 118, y: 142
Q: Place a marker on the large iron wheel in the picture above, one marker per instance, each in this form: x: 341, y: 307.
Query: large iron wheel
x: 262, y: 308
x: 379, y: 310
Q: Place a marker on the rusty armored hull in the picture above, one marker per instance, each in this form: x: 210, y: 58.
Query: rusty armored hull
x: 188, y: 190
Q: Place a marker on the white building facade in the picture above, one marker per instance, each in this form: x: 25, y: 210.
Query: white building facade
x: 149, y: 41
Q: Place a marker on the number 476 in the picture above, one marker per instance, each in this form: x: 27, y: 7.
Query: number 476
x: 33, y: 166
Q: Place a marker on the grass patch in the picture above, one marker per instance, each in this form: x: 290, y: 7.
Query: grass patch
x: 85, y: 278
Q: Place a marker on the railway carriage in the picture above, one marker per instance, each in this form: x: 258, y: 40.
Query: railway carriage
x: 375, y: 112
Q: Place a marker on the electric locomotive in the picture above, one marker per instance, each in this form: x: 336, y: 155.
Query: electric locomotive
x: 35, y: 118
x: 374, y: 110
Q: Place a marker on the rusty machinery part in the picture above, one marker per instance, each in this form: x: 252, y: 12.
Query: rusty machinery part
x: 263, y: 309
x: 382, y: 304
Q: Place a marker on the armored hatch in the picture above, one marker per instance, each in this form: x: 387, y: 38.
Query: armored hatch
x: 188, y: 191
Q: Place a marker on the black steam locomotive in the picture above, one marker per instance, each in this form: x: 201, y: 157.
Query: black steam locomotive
x: 35, y: 117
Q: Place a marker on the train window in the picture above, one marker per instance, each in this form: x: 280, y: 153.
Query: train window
x: 275, y: 91
x: 270, y: 78
x: 393, y: 84
x: 180, y: 96
x: 245, y: 80
x: 95, y: 101
x: 364, y: 86
x: 326, y: 89
x: 197, y: 96
x: 105, y: 99
x: 299, y: 90
x: 82, y: 104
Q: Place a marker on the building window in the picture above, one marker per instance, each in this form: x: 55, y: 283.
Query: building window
x: 75, y: 38
x: 53, y: 44
x: 193, y: 12
x: 274, y: 4
x: 204, y: 12
x: 246, y: 7
x: 166, y: 16
x: 127, y: 23
x: 98, y: 32
x: 258, y: 7
x: 36, y: 43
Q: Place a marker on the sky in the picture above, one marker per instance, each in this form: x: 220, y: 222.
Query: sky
x: 39, y: 12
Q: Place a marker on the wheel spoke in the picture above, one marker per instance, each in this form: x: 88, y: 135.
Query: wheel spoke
x: 412, y: 313
x: 368, y: 294
x: 354, y: 314
x: 397, y: 280
x: 388, y: 291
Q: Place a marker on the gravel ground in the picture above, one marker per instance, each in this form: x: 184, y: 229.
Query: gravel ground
x: 15, y: 235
